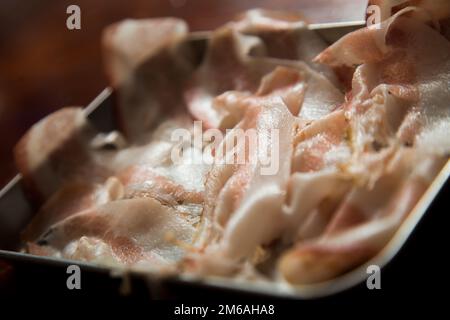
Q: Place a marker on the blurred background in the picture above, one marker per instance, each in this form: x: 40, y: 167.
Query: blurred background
x: 44, y: 66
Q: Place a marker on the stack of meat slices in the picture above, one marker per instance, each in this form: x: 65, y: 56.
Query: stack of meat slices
x: 353, y: 157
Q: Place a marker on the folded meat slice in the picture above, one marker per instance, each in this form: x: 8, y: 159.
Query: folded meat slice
x: 226, y: 67
x: 400, y: 88
x: 238, y: 194
x: 147, y: 62
x: 285, y: 35
x: 305, y: 92
x: 130, y: 43
x: 312, y: 197
x: 399, y: 97
x: 145, y: 182
x: 322, y: 144
x: 57, y: 150
x: 433, y: 9
x: 241, y: 53
x: 318, y: 181
x: 364, y: 222
x: 308, y: 94
x: 133, y: 232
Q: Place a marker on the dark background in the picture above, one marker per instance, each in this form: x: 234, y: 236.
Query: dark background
x: 44, y: 66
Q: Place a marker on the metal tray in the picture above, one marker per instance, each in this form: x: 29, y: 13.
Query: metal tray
x: 16, y: 212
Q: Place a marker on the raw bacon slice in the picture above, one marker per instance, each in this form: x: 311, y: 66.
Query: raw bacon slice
x: 69, y: 200
x: 145, y: 182
x: 390, y: 104
x: 285, y: 36
x: 226, y: 67
x: 402, y: 89
x: 308, y: 94
x: 322, y: 144
x: 305, y: 92
x: 129, y: 43
x: 318, y: 181
x: 433, y: 9
x: 241, y: 53
x: 237, y: 194
x: 136, y: 232
x: 312, y: 197
x: 57, y: 150
x: 146, y: 63
x: 364, y: 223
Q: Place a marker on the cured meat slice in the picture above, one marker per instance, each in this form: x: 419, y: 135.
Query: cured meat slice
x: 318, y: 181
x: 399, y: 88
x: 432, y: 9
x: 285, y: 36
x: 390, y: 104
x: 136, y: 232
x: 146, y: 63
x: 238, y: 193
x: 71, y: 199
x: 129, y: 43
x: 241, y: 53
x: 57, y: 150
x: 305, y: 92
x: 364, y: 222
x: 226, y: 66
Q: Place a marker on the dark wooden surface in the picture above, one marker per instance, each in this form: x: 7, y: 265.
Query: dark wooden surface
x: 44, y: 66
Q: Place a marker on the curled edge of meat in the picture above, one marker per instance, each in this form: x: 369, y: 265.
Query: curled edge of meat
x: 241, y: 53
x: 129, y: 43
x: 55, y: 150
x: 147, y: 62
x: 365, y: 45
x: 349, y: 241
